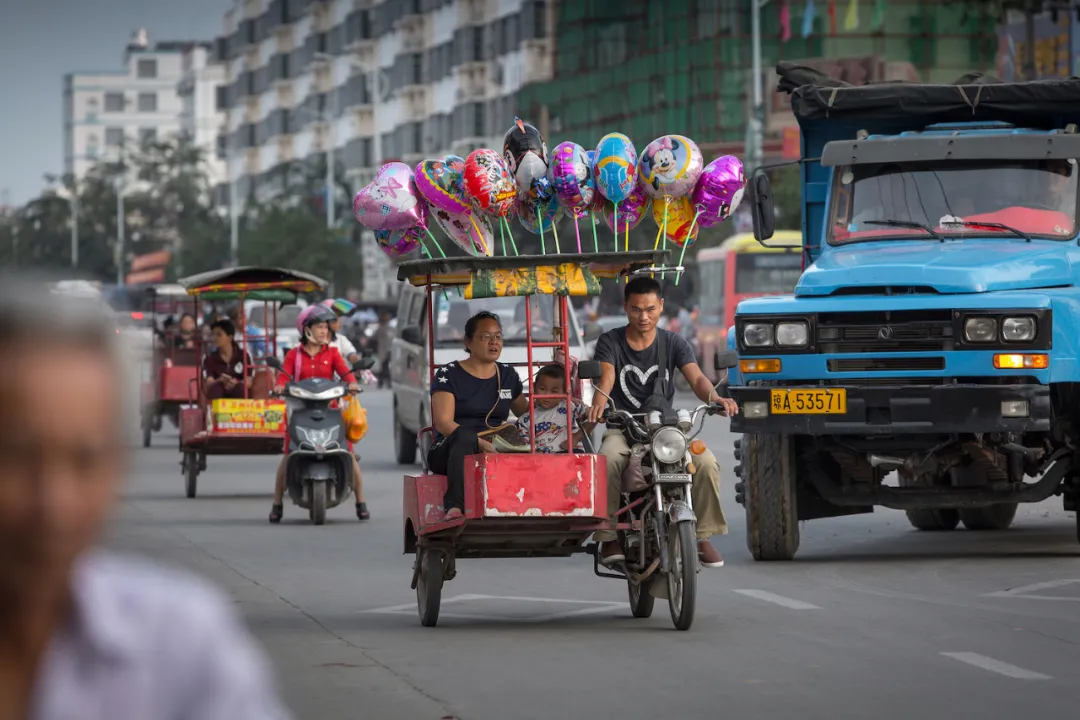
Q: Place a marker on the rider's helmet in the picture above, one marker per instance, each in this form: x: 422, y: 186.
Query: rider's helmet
x: 317, y: 314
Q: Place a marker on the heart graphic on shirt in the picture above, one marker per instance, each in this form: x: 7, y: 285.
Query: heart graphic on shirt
x: 642, y: 379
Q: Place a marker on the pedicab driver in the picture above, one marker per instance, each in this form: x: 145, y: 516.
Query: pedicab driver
x: 629, y: 358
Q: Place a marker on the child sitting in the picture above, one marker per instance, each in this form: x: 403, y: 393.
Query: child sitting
x: 550, y: 423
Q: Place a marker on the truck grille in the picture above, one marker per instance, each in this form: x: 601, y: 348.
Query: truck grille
x: 886, y: 364
x: 890, y: 331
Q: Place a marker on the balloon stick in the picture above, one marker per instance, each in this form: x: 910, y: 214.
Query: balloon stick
x: 595, y: 241
x: 555, y: 232
x: 510, y: 234
x: 433, y: 240
x: 479, y: 235
x: 540, y: 222
x: 686, y: 243
x: 577, y: 232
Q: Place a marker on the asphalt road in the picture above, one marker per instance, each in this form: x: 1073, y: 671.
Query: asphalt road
x: 873, y: 619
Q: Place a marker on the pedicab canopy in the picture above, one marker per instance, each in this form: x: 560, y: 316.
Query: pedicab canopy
x: 252, y: 283
x: 574, y: 274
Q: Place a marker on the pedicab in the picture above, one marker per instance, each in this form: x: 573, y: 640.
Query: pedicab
x: 254, y: 424
x: 520, y: 505
x: 171, y: 368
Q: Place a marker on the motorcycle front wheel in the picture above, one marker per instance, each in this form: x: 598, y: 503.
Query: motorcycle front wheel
x: 682, y: 574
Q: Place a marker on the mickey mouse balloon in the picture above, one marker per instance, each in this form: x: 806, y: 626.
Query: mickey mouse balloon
x: 670, y: 166
x: 525, y: 153
x: 489, y: 183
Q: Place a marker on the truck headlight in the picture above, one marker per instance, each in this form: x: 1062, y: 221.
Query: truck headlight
x: 792, y: 334
x: 757, y: 334
x: 669, y: 445
x: 1018, y: 329
x: 980, y: 329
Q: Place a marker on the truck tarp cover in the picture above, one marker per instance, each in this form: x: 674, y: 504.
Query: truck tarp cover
x: 1043, y: 104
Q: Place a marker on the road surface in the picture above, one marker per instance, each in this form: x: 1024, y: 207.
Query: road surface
x: 873, y: 620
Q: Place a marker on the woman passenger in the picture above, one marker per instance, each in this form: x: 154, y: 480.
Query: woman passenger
x: 223, y: 367
x: 467, y: 397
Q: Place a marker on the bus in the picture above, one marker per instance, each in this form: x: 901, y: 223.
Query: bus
x: 740, y: 268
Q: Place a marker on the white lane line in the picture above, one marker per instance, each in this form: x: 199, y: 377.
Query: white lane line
x: 1027, y: 590
x: 778, y: 600
x: 996, y: 666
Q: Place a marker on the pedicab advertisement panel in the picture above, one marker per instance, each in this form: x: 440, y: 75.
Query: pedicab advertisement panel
x: 240, y: 417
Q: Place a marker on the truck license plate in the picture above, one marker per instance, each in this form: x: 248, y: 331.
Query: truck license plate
x: 807, y: 401
x: 674, y: 478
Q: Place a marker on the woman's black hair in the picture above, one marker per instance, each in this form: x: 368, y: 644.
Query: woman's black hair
x: 226, y: 326
x: 471, y: 323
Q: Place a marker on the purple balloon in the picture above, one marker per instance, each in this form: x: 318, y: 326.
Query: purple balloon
x: 670, y: 166
x: 631, y: 210
x: 390, y: 201
x: 396, y: 243
x: 441, y: 183
x: 571, y: 176
x: 719, y: 190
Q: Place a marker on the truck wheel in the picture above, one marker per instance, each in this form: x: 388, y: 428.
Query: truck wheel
x: 993, y: 517
x: 772, y: 526
x: 933, y: 520
x: 406, y: 445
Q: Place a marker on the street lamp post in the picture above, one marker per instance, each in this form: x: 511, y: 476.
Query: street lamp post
x: 120, y: 219
x: 234, y: 209
x: 74, y: 201
x: 756, y: 126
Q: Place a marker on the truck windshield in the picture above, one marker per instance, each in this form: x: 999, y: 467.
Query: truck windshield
x: 1037, y: 198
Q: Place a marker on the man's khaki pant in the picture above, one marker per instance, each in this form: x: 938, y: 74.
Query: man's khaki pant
x: 704, y: 491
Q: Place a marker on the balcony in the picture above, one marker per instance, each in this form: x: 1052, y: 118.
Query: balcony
x: 413, y: 29
x: 539, y: 63
x: 363, y: 121
x: 251, y: 162
x: 252, y: 110
x: 414, y: 101
x: 285, y: 148
x: 472, y: 12
x: 285, y: 97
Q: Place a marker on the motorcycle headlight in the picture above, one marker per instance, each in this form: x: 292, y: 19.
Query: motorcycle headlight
x: 757, y: 334
x: 328, y: 394
x: 320, y: 437
x: 1018, y: 329
x: 792, y: 334
x: 669, y: 445
x: 980, y: 329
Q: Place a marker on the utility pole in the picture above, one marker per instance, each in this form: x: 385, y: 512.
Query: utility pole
x: 74, y: 229
x: 120, y: 217
x: 234, y: 205
x: 756, y: 125
x: 331, y: 196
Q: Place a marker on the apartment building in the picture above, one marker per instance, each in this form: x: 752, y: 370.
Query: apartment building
x: 107, y: 109
x: 200, y: 119
x: 302, y: 75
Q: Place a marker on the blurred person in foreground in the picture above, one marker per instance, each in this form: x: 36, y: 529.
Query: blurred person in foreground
x: 84, y: 633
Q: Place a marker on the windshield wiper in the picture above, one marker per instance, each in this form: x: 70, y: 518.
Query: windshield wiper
x: 905, y: 224
x: 996, y: 226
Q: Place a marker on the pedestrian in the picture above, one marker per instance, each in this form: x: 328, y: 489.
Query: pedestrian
x: 86, y: 633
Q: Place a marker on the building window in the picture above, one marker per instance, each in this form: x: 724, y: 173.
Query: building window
x: 146, y: 69
x: 114, y: 102
x: 92, y: 146
x: 418, y: 137
x: 147, y: 102
x: 417, y: 74
x: 114, y: 137
x: 147, y: 135
x: 479, y: 127
x: 478, y: 44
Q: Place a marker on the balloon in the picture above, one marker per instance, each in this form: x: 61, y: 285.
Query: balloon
x: 440, y: 183
x: 680, y: 218
x: 396, y: 243
x: 719, y: 190
x: 631, y: 210
x: 571, y: 176
x: 525, y: 153
x: 532, y: 214
x: 615, y: 167
x: 390, y: 200
x: 489, y: 183
x: 670, y: 166
x: 463, y: 231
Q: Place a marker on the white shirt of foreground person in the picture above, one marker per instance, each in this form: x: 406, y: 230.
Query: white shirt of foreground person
x: 148, y: 643
x: 344, y: 346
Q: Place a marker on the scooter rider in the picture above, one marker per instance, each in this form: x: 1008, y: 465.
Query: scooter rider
x: 315, y: 357
x: 632, y: 355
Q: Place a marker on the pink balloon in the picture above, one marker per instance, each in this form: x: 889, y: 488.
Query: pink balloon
x: 670, y: 166
x: 396, y: 243
x: 441, y: 183
x: 631, y: 210
x: 390, y: 201
x: 719, y: 190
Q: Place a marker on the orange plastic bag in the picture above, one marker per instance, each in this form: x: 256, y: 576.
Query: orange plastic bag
x: 355, y: 418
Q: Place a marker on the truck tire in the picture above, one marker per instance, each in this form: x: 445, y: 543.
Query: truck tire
x: 993, y: 517
x: 935, y: 520
x: 769, y: 496
x: 405, y: 443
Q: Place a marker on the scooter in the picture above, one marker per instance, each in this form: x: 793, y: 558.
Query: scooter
x: 318, y: 467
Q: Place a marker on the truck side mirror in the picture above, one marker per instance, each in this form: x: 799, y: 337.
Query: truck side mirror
x: 412, y: 335
x: 725, y: 360
x: 589, y: 370
x: 761, y: 205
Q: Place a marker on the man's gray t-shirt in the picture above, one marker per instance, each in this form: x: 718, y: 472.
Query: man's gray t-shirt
x: 635, y: 372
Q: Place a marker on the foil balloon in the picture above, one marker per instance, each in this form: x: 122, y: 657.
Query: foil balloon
x: 680, y: 219
x: 390, y: 201
x: 540, y: 214
x: 440, y: 182
x: 631, y: 210
x: 472, y: 233
x: 615, y: 167
x: 396, y: 243
x: 489, y: 184
x: 670, y: 166
x: 719, y: 190
x: 571, y: 176
x: 525, y: 154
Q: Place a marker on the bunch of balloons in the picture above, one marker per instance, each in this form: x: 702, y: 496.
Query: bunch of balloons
x: 466, y: 196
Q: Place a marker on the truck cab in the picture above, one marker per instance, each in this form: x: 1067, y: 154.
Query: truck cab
x: 934, y: 331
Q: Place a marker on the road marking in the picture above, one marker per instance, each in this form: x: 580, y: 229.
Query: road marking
x: 778, y: 600
x: 1026, y: 590
x: 996, y: 666
x: 595, y: 607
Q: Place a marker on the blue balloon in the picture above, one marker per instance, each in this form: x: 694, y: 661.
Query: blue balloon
x: 539, y: 207
x: 615, y: 166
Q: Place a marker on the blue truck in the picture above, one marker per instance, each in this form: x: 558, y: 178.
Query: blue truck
x: 935, y: 330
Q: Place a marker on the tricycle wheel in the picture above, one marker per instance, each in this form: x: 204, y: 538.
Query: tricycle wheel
x: 682, y: 574
x: 191, y: 474
x: 641, y: 597
x: 429, y: 586
x: 147, y: 431
x: 318, y: 503
x: 993, y: 517
x: 406, y: 445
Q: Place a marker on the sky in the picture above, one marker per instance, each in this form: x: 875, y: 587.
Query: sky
x: 42, y: 40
